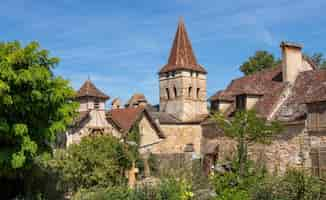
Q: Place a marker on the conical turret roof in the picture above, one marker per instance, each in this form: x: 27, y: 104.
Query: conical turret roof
x: 182, y: 55
x: 88, y: 89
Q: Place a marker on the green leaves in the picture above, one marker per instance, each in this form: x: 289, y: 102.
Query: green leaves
x: 34, y: 104
x: 96, y: 162
x: 260, y: 61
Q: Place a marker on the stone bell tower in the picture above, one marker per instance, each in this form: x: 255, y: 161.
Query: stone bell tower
x: 183, y: 80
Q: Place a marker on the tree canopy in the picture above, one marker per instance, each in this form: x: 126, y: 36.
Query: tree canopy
x: 260, y: 61
x: 319, y: 60
x: 35, y: 105
x: 98, y: 161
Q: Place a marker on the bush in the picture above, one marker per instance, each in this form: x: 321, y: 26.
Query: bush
x: 167, y: 189
x: 95, y: 162
x: 294, y: 185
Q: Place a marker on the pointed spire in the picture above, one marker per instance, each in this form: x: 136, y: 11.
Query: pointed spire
x: 182, y: 55
x: 88, y: 89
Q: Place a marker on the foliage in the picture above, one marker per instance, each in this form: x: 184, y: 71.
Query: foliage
x: 319, y: 60
x: 246, y: 128
x: 260, y: 61
x: 153, y: 163
x: 233, y: 186
x: 296, y: 184
x: 98, y: 161
x: 168, y: 189
x: 35, y: 105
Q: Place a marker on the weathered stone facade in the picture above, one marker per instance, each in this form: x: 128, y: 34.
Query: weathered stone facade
x: 178, y: 137
x: 183, y: 94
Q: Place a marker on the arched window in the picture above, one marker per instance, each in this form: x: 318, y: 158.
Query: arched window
x: 198, y: 93
x: 167, y: 93
x: 175, y: 92
x: 190, y: 91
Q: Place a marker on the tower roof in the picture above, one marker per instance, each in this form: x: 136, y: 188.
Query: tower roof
x: 88, y: 89
x: 182, y: 55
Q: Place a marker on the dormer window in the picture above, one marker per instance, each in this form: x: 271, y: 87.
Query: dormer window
x: 241, y: 102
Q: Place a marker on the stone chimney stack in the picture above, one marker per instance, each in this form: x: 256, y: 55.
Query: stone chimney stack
x: 116, y: 103
x: 291, y: 61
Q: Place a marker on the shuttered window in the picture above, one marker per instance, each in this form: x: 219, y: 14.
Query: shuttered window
x: 317, y: 117
x: 318, y: 162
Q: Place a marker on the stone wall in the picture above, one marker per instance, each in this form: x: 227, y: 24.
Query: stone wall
x: 183, y: 94
x: 177, y: 137
x: 291, y: 148
x: 96, y: 120
x: 149, y: 138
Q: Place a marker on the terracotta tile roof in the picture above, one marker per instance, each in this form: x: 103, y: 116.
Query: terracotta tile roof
x: 88, y: 89
x: 83, y: 115
x: 127, y: 117
x: 304, y: 86
x: 316, y: 93
x: 166, y: 118
x: 136, y: 99
x: 182, y: 56
x: 261, y: 83
x: 222, y: 96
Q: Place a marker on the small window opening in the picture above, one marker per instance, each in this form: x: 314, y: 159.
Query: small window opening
x: 97, y: 105
x: 190, y: 91
x: 198, y: 93
x: 175, y: 92
x: 167, y: 93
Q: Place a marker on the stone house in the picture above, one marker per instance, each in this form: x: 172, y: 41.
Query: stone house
x: 292, y: 93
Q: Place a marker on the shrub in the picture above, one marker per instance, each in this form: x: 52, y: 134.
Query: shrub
x: 294, y: 185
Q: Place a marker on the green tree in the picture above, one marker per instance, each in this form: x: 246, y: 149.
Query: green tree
x: 35, y: 105
x: 247, y: 129
x: 260, y: 61
x: 98, y: 161
x: 319, y: 60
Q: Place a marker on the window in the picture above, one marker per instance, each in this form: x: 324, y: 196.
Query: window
x: 175, y: 92
x: 96, y: 105
x: 190, y: 91
x: 191, y: 73
x: 316, y: 117
x: 318, y: 161
x: 198, y: 93
x: 241, y: 102
x: 167, y: 93
x: 197, y: 74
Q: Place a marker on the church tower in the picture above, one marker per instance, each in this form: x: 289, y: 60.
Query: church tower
x: 183, y: 80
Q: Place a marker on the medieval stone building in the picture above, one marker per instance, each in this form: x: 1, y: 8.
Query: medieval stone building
x: 292, y: 93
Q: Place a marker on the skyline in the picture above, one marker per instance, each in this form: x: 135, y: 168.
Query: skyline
x: 122, y: 45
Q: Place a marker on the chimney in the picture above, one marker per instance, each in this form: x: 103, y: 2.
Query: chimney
x: 291, y: 61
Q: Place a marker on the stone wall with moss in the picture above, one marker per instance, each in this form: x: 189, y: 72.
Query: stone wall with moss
x: 291, y: 148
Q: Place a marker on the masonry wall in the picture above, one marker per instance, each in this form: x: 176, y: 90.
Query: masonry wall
x: 291, y: 148
x: 96, y: 120
x: 149, y: 138
x: 177, y: 137
x: 187, y: 103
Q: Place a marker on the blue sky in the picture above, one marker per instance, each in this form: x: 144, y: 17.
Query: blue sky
x: 122, y: 44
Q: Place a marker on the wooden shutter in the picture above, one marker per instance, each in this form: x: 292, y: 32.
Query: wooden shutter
x: 318, y: 162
